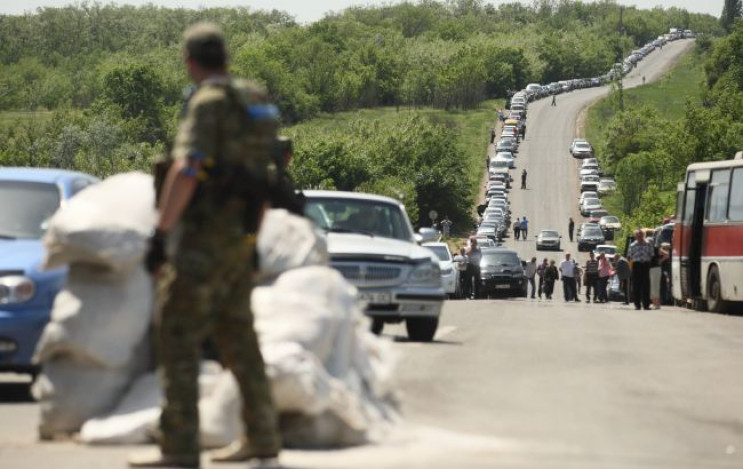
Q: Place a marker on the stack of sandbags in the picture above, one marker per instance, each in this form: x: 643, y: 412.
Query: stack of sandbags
x: 97, y: 339
x: 331, y: 378
x: 286, y: 242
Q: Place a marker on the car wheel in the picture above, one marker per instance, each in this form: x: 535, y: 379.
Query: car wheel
x: 421, y: 329
x: 715, y: 303
x: 377, y: 326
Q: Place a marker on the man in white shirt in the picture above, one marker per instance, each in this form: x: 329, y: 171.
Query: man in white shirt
x: 530, y: 271
x: 567, y: 272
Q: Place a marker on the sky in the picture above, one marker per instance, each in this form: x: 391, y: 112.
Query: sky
x: 312, y: 10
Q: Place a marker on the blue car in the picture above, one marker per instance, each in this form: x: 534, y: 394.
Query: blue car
x: 28, y: 198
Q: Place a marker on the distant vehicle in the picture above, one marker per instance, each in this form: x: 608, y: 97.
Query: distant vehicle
x: 589, y: 186
x: 588, y: 205
x: 449, y: 275
x: 372, y: 244
x: 587, y: 195
x: 610, y: 224
x: 548, y: 239
x: 589, y: 238
x: 30, y: 196
x: 595, y: 216
x: 501, y: 272
x: 707, y: 255
x: 607, y: 249
x: 607, y: 186
x: 581, y: 149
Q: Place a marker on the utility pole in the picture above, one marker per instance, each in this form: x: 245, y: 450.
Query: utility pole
x: 621, y: 60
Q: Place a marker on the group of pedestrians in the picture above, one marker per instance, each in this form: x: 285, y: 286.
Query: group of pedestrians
x: 467, y: 262
x: 594, y: 276
x: 520, y: 228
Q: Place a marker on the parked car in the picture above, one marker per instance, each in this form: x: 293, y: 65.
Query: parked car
x: 30, y: 196
x: 590, y: 237
x: 501, y: 272
x: 548, y: 239
x: 372, y: 243
x: 608, y: 249
x: 607, y: 186
x: 609, y: 224
x: 581, y: 149
x: 449, y: 275
x: 588, y: 205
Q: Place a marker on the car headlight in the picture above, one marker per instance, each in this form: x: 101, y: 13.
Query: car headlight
x: 425, y: 273
x: 16, y: 289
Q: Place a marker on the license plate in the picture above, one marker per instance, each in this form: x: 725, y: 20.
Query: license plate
x: 7, y: 346
x: 377, y: 298
x: 502, y: 287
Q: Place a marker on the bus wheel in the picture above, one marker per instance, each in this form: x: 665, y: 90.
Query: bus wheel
x: 715, y: 303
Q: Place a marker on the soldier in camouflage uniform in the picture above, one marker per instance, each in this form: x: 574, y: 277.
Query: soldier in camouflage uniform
x: 224, y: 138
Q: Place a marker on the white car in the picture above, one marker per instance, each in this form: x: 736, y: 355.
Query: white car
x: 449, y: 274
x: 587, y: 195
x: 590, y: 205
x: 548, y: 239
x: 581, y: 149
x: 589, y: 172
x: 607, y: 249
x: 607, y: 186
x: 372, y: 244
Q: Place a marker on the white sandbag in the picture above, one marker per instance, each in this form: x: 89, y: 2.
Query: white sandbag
x: 135, y: 418
x: 99, y: 317
x: 107, y: 224
x: 287, y: 241
x: 71, y: 392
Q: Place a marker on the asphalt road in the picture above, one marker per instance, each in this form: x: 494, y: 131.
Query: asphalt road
x: 522, y: 383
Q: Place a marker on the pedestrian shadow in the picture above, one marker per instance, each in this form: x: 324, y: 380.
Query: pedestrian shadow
x: 15, y: 393
x: 406, y: 340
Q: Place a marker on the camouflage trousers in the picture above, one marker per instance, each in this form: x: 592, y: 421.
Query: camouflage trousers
x: 208, y: 294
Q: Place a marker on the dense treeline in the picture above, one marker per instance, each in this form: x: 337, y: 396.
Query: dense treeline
x: 111, y: 76
x: 649, y: 154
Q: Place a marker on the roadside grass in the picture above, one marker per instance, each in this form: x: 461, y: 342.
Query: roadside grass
x: 668, y: 96
x: 473, y: 132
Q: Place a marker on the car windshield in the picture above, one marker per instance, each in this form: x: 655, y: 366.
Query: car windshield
x: 582, y: 146
x: 610, y: 219
x: 370, y: 217
x: 592, y: 231
x: 549, y: 234
x: 500, y: 258
x: 590, y: 201
x: 441, y: 251
x: 26, y: 208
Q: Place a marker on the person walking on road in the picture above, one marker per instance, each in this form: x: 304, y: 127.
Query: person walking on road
x: 474, y: 254
x: 591, y: 277
x: 571, y: 228
x: 516, y: 229
x: 554, y: 100
x: 641, y: 254
x: 567, y: 273
x: 523, y: 179
x: 208, y: 283
x: 530, y: 271
x: 540, y: 276
x: 605, y: 273
x: 551, y: 275
x: 623, y: 271
x: 461, y: 262
x: 524, y: 228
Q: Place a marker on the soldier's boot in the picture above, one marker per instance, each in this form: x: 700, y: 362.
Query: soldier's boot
x: 242, y: 450
x: 155, y: 458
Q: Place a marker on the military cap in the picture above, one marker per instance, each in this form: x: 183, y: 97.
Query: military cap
x: 204, y: 43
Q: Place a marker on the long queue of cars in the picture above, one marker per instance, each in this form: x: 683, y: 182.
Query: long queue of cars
x: 535, y: 91
x: 599, y: 226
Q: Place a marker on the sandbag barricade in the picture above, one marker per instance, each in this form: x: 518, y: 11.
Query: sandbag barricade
x: 97, y: 340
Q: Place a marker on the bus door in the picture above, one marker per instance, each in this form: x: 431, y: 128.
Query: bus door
x: 696, y: 233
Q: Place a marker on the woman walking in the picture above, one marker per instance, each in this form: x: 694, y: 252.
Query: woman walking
x: 605, y: 273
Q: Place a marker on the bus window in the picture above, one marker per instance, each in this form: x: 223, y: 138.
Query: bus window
x: 735, y: 212
x: 691, y: 195
x: 717, y: 202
